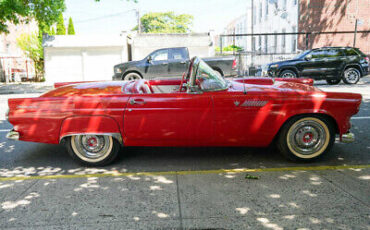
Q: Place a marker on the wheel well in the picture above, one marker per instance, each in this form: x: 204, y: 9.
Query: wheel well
x: 289, y: 68
x: 318, y: 115
x: 219, y: 70
x: 353, y: 66
x: 131, y: 71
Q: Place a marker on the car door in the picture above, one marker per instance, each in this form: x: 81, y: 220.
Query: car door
x: 178, y: 62
x: 168, y: 119
x: 240, y: 119
x: 157, y: 64
x: 314, y: 64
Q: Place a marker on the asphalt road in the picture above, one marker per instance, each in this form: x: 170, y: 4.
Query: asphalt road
x: 187, y: 188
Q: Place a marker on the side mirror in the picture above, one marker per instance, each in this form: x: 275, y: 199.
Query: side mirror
x: 308, y: 57
x: 149, y: 59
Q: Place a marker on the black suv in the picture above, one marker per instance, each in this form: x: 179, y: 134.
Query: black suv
x: 329, y: 63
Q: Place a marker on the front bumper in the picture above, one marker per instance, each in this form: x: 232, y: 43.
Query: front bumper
x: 348, y: 137
x: 13, y: 135
x: 117, y: 76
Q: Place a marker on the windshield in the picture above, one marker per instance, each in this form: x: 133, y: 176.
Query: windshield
x: 299, y: 56
x: 205, y: 77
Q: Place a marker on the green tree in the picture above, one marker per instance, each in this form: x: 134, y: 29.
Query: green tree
x: 166, y: 22
x: 45, y: 12
x: 71, y: 28
x: 31, y: 46
x: 52, y: 32
x: 61, y: 29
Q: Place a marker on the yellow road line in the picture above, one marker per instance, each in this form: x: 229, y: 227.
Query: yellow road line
x: 217, y: 171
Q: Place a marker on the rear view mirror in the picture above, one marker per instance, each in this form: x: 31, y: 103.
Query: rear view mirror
x: 149, y: 59
x: 308, y: 57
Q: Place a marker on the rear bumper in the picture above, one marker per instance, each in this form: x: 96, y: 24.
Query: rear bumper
x: 13, y: 135
x: 348, y: 137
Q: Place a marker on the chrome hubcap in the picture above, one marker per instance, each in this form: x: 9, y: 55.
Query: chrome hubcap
x: 307, y: 137
x: 92, y: 147
x: 288, y: 75
x: 351, y: 76
x: 132, y: 77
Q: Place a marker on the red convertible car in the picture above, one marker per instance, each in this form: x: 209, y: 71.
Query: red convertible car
x: 96, y: 119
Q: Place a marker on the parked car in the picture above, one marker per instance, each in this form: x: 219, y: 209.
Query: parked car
x: 169, y: 62
x: 332, y: 64
x: 96, y: 119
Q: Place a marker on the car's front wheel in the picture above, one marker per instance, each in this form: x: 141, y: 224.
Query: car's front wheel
x: 351, y: 76
x: 288, y: 74
x: 93, y: 150
x: 132, y: 76
x: 306, y: 138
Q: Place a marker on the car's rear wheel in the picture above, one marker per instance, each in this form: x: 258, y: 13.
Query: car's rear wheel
x: 333, y: 81
x: 93, y: 150
x: 351, y: 76
x: 132, y: 77
x: 288, y: 74
x: 306, y: 138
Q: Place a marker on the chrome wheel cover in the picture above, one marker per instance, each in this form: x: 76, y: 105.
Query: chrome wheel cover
x: 352, y: 75
x: 308, y: 138
x: 288, y: 75
x: 92, y: 148
x: 132, y: 77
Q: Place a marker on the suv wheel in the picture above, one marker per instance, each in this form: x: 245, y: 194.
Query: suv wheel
x: 131, y: 77
x: 288, y: 74
x: 333, y: 81
x: 351, y: 76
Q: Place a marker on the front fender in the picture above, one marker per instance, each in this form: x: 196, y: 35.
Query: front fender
x: 102, y: 125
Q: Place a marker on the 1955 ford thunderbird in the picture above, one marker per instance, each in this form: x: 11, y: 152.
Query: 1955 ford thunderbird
x: 95, y: 119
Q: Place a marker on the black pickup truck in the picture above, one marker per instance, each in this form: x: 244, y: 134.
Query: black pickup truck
x: 169, y: 62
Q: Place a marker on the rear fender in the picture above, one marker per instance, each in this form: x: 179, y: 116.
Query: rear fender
x: 99, y: 125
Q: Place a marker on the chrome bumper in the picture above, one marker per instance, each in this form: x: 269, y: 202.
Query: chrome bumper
x: 348, y: 137
x: 13, y: 135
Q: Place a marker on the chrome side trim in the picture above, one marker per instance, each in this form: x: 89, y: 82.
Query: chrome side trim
x: 116, y: 136
x: 13, y: 135
x: 348, y: 137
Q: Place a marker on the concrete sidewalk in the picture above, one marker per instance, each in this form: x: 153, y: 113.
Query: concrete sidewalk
x: 305, y: 199
x: 25, y: 88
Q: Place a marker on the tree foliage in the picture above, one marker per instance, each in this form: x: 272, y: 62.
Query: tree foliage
x: 61, y: 29
x: 45, y: 12
x: 31, y: 46
x: 71, y: 28
x: 166, y: 22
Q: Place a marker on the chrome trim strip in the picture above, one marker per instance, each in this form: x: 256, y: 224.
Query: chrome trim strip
x: 348, y: 137
x: 13, y: 135
x: 116, y: 136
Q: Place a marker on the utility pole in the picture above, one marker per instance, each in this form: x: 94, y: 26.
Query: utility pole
x: 354, y: 37
x: 138, y: 21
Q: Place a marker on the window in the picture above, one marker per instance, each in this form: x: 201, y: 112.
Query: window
x: 266, y: 43
x: 260, y: 12
x: 253, y: 43
x: 179, y: 54
x: 294, y: 42
x: 283, y: 41
x: 266, y: 9
x: 254, y: 15
x: 333, y: 53
x: 160, y: 55
x: 284, y: 4
x: 350, y: 52
x: 318, y: 54
x: 295, y: 2
x: 275, y: 42
x: 260, y: 43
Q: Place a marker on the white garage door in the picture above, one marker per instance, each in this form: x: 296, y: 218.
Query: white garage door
x: 63, y: 65
x: 99, y: 62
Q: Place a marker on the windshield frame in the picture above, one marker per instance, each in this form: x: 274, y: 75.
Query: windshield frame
x: 302, y: 55
x: 193, y: 74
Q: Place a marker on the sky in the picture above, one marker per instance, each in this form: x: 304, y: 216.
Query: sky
x: 113, y: 16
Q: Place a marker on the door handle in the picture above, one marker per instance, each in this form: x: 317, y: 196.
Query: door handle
x: 137, y: 101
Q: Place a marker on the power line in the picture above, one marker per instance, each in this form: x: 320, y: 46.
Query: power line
x: 106, y: 16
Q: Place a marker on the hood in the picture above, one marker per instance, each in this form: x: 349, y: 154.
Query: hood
x: 283, y: 62
x: 87, y: 89
x: 125, y: 64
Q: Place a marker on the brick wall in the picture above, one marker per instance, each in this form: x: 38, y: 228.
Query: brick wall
x: 334, y: 15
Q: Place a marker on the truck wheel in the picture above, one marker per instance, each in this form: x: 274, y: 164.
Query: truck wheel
x: 333, y: 81
x: 351, y: 76
x: 132, y: 77
x: 288, y: 74
x: 306, y: 138
x: 93, y: 150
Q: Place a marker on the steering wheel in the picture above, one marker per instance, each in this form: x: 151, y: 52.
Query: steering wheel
x: 182, y: 81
